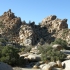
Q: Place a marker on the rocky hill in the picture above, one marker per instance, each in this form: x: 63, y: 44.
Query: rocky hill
x: 20, y: 32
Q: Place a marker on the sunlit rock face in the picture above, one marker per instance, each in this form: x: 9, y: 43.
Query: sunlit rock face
x: 28, y: 34
x: 9, y: 25
x: 53, y: 23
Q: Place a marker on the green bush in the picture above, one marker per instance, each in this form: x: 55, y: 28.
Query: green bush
x: 9, y: 55
x: 3, y: 40
x: 63, y: 43
x: 43, y: 49
x: 1, y: 47
x: 48, y: 53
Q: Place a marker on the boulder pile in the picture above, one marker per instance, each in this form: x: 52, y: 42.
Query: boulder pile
x: 27, y: 34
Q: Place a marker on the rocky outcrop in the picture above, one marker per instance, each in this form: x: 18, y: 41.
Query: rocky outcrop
x: 27, y: 34
x: 53, y: 23
x: 9, y: 25
x: 58, y: 28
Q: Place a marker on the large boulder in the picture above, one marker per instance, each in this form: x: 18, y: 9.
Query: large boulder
x: 48, y: 66
x: 4, y: 66
x: 52, y: 64
x: 66, y: 64
x: 34, y: 57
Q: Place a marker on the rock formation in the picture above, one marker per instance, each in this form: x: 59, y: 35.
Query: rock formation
x: 22, y: 33
x: 53, y: 23
x: 9, y: 25
x: 26, y: 35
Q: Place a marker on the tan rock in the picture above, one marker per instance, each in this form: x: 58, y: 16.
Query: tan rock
x: 66, y: 65
x: 52, y: 64
x: 35, y: 67
x: 48, y: 66
x: 34, y: 57
x: 68, y: 57
x: 59, y: 63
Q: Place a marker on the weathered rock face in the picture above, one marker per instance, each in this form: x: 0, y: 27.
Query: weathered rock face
x: 20, y: 32
x: 57, y: 27
x: 63, y: 34
x: 26, y: 35
x: 9, y: 25
x: 30, y: 34
x: 53, y: 23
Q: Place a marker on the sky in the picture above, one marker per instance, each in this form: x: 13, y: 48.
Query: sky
x: 37, y: 10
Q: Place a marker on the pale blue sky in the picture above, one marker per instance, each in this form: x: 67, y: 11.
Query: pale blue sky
x: 36, y: 10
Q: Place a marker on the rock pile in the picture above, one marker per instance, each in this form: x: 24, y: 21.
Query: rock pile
x: 22, y: 33
x: 9, y: 25
x: 53, y: 23
x: 26, y: 35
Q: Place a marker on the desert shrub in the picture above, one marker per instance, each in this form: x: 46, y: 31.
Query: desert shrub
x: 9, y: 55
x: 63, y: 43
x: 43, y: 48
x: 22, y: 49
x: 55, y: 55
x: 22, y: 62
x: 1, y: 47
x: 3, y: 40
x: 48, y: 53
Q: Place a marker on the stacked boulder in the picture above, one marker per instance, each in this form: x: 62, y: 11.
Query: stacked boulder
x: 22, y: 33
x: 53, y: 23
x: 26, y: 35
